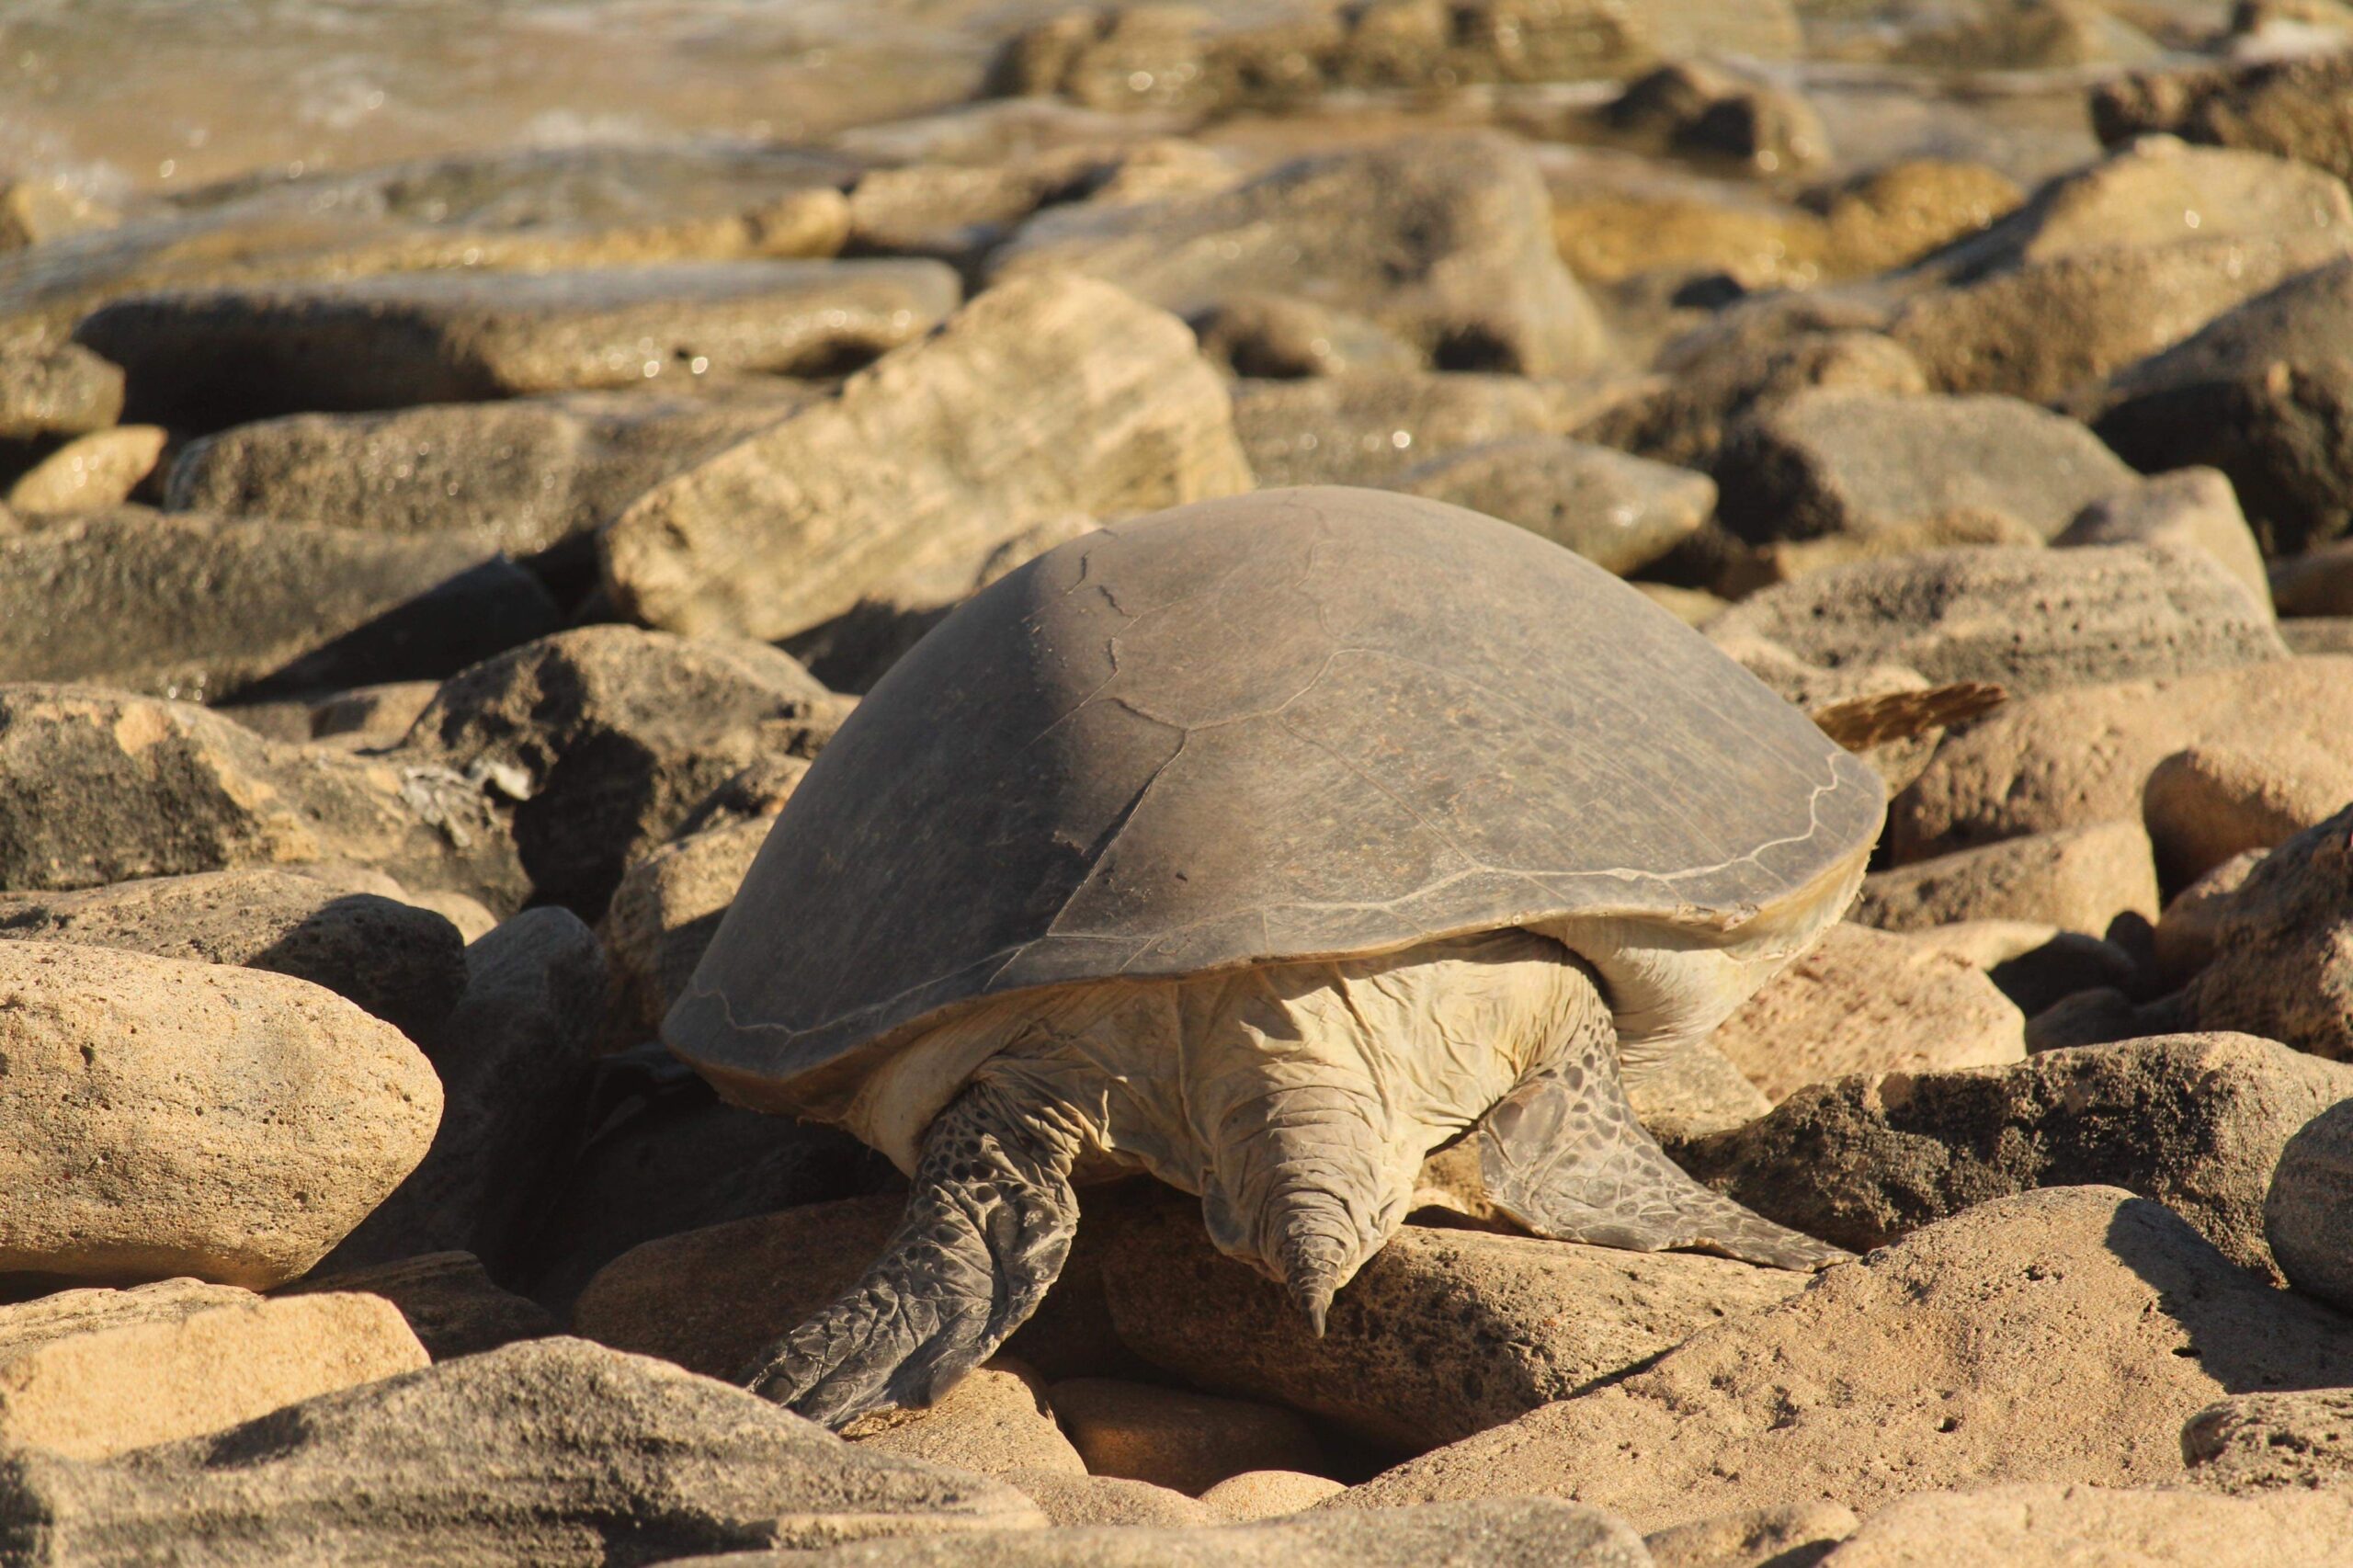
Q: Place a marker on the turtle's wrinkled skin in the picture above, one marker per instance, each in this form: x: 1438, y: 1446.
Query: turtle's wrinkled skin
x: 1264, y: 845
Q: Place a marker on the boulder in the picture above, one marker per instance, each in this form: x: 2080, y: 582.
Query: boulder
x: 404, y: 964
x: 1283, y: 336
x: 1444, y: 240
x: 2299, y: 108
x: 2026, y: 619
x: 2080, y: 879
x: 1714, y: 387
x: 2260, y: 1445
x: 523, y: 476
x: 1793, y: 1535
x: 2283, y: 947
x: 2195, y: 1122
x: 1082, y: 1502
x: 1267, y: 1494
x: 2189, y: 507
x: 2060, y: 1335
x: 2188, y: 930
x: 208, y: 359
x: 448, y: 1298
x: 164, y: 789
x: 88, y: 473
x: 1901, y: 472
x: 2068, y: 758
x: 2057, y: 1526
x: 601, y: 740
x: 549, y: 1452
x: 663, y: 915
x: 1618, y: 511
x: 514, y: 1062
x: 910, y: 464
x: 2260, y: 394
x: 1374, y: 427
x: 993, y: 1421
x: 1187, y: 1442
x: 1866, y: 1001
x: 90, y: 1374
x: 1442, y: 1334
x: 2206, y: 804
x: 1697, y: 109
x: 204, y: 607
x: 159, y: 1116
x: 56, y: 390
x: 2305, y: 1215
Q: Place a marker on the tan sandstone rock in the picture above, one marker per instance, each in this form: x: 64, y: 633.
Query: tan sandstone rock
x: 994, y: 1422
x: 2256, y: 1445
x: 1082, y: 1501
x: 2078, y: 880
x: 1187, y: 1442
x: 1267, y: 1494
x: 2206, y: 803
x: 2091, y: 1526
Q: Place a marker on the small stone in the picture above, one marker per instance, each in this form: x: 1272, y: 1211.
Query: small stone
x: 2061, y: 1526
x: 206, y: 360
x: 159, y: 1116
x: 89, y: 472
x: 1443, y: 1332
x: 2258, y: 1445
x: 898, y: 470
x: 1793, y: 1535
x: 2283, y: 947
x: 1899, y: 213
x: 63, y: 390
x: 1187, y: 1442
x: 2193, y: 1121
x: 664, y: 915
x: 1898, y: 469
x: 2206, y: 803
x: 2081, y: 878
x: 1619, y: 512
x: 2026, y: 619
x: 2057, y: 1336
x: 1267, y: 1494
x: 1866, y: 1001
x: 90, y: 1374
x: 1083, y: 1501
x: 448, y: 1298
x: 34, y: 211
x: 553, y: 1451
x: 2189, y: 507
x: 993, y: 1421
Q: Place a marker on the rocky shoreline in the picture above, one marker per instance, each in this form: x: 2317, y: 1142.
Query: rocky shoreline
x: 424, y: 586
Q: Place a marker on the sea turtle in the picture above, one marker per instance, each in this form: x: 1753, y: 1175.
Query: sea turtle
x: 1265, y: 844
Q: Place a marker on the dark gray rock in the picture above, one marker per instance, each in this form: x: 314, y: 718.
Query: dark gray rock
x: 2194, y: 1121
x: 552, y: 1452
x: 404, y: 964
x: 205, y: 360
x: 1618, y: 511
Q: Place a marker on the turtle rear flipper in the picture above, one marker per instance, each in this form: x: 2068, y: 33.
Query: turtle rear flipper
x: 988, y: 1228
x: 1563, y: 1155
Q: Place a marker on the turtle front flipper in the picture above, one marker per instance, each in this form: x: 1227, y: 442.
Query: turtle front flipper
x: 1564, y: 1155
x: 988, y: 1227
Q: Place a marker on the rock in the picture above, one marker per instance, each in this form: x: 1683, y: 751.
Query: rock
x: 2052, y: 1525
x: 2193, y: 1121
x: 1866, y: 1001
x: 1819, y: 687
x: 1896, y: 471
x: 2258, y: 1445
x: 957, y: 212
x: 1081, y: 1502
x: 2080, y: 879
x: 1619, y: 512
x: 2066, y: 962
x: 2055, y: 326
x: 1267, y: 1494
x: 513, y: 1060
x: 447, y: 1299
x: 663, y: 915
x: 2330, y: 634
x: 1617, y: 222
x: 404, y: 964
x: 1700, y: 111
x: 1695, y: 1092
x: 1445, y: 241
x: 1684, y: 418
x: 206, y: 360
x: 1373, y: 428
x: 910, y: 464
x: 2258, y: 393
x: 1516, y: 1533
x: 89, y: 472
x: 1984, y: 35
x: 1187, y: 1442
x: 1793, y: 1535
x: 1899, y: 213
x: 1283, y: 336
x: 90, y: 1374
x: 166, y: 788
x: 2304, y: 1214
x: 2206, y: 804
x: 60, y: 389
x: 33, y: 211
x: 2060, y: 1335
x: 371, y: 718
x: 2283, y: 947
x: 1443, y: 1334
x: 2189, y: 507
x: 2190, y: 927
x: 604, y: 737
x: 523, y: 476
x: 207, y: 607
x: 553, y: 1451
x: 2071, y: 757
x: 2295, y: 108
x: 2102, y: 1015
x: 2317, y: 583
x: 993, y: 1421
x: 192, y: 1119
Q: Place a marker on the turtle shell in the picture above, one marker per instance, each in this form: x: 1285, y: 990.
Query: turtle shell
x: 1294, y: 724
